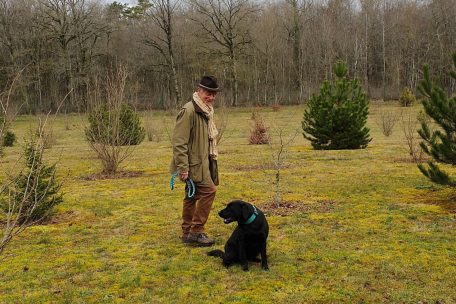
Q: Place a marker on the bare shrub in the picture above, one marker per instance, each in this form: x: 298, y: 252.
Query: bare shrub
x: 167, y: 125
x: 221, y: 120
x: 114, y: 127
x: 279, y: 153
x: 30, y: 195
x: 386, y: 121
x: 8, y: 110
x: 275, y: 107
x: 46, y: 133
x: 67, y: 123
x: 153, y: 130
x: 255, y: 113
x: 259, y: 132
x: 410, y: 125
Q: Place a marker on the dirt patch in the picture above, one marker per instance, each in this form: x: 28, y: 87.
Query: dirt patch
x: 59, y: 218
x: 117, y: 175
x: 65, y: 217
x: 448, y: 204
x: 258, y: 167
x: 287, y: 208
x: 408, y: 160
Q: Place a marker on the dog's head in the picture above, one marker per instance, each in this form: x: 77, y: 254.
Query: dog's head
x: 237, y: 210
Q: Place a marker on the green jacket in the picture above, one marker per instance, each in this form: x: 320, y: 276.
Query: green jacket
x: 191, y: 144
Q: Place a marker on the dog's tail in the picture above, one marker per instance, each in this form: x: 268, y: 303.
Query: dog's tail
x: 216, y: 253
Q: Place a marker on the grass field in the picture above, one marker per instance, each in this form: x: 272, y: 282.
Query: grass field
x: 368, y: 226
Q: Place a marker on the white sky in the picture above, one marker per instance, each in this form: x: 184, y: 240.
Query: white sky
x: 133, y: 2
x: 124, y: 1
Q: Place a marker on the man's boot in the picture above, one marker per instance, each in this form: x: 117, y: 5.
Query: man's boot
x: 199, y: 239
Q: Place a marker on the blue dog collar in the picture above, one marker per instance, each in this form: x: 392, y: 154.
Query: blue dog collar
x: 252, y: 217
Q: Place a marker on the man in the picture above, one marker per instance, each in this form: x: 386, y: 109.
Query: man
x: 194, y: 157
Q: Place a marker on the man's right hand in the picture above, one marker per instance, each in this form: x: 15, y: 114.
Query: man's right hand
x: 183, y: 176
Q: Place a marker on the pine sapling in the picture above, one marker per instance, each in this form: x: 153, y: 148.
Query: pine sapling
x: 440, y: 144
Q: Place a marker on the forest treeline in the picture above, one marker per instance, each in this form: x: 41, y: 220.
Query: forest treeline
x: 263, y: 52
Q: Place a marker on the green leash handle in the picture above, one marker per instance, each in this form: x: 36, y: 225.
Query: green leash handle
x: 190, y: 184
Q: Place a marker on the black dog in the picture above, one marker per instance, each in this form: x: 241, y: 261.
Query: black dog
x: 248, y: 240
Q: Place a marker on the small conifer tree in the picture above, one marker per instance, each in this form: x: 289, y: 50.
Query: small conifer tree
x: 35, y: 191
x: 407, y: 98
x: 9, y: 138
x: 440, y: 144
x: 336, y: 118
x: 117, y: 129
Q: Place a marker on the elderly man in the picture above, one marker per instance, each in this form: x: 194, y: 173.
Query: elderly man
x: 195, y: 157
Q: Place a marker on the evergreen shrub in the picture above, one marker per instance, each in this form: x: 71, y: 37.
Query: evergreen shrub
x: 336, y: 117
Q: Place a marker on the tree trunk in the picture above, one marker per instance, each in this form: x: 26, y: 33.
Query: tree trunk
x: 234, y: 92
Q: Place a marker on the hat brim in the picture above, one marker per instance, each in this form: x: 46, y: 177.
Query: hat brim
x: 208, y: 88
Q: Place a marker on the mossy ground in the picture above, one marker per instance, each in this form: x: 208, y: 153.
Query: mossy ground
x: 388, y: 236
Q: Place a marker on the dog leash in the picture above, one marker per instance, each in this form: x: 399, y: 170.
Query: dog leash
x: 252, y: 217
x: 190, y: 184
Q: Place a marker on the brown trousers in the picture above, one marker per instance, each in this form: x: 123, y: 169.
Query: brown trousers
x: 196, y: 210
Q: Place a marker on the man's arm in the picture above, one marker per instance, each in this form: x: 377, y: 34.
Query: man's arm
x: 181, y: 136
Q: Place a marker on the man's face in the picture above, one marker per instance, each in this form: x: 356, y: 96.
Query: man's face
x: 208, y: 97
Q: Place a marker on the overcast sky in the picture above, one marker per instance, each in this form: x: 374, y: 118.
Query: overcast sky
x: 123, y: 1
x: 120, y: 1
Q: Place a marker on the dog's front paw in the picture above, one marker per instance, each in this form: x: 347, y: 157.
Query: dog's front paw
x: 265, y: 267
x: 245, y: 267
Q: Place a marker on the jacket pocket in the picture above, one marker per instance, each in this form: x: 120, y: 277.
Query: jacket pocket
x: 213, y: 169
x: 196, y: 171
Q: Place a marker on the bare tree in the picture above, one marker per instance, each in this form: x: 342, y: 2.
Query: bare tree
x: 224, y: 23
x: 264, y: 53
x: 159, y: 33
x: 18, y: 45
x: 74, y: 25
x: 296, y: 18
x: 279, y: 153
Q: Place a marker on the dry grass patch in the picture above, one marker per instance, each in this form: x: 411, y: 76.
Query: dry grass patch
x: 287, y: 208
x: 446, y: 202
x: 254, y: 167
x: 117, y: 175
x: 61, y: 218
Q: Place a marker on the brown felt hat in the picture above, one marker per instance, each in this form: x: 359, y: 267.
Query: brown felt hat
x: 209, y: 83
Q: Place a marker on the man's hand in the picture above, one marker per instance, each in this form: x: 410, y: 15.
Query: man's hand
x: 183, y: 176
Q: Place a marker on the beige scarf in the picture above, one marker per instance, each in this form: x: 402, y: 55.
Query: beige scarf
x: 212, y: 128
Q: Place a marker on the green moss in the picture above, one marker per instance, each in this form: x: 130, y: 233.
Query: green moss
x: 385, y: 240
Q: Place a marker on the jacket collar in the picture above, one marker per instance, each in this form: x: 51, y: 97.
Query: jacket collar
x: 197, y: 108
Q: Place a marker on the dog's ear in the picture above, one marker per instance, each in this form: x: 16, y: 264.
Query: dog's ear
x: 246, y: 212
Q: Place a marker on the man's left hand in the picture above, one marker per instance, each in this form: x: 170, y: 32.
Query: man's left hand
x: 183, y: 176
